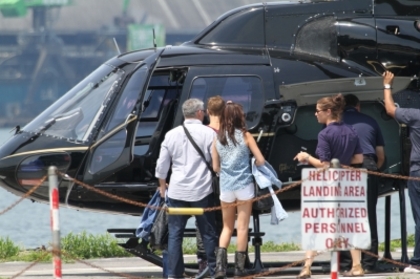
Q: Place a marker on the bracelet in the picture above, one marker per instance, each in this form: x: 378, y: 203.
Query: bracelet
x: 307, y: 158
x: 387, y: 88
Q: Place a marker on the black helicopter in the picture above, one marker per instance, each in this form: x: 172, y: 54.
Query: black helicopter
x: 276, y: 59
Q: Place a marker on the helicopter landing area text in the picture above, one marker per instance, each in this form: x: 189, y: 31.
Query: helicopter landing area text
x: 333, y: 211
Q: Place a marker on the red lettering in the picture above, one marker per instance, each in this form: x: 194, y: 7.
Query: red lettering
x: 329, y: 243
x: 308, y: 226
x: 330, y: 212
x: 333, y: 228
x: 358, y: 175
x: 324, y: 228
x: 335, y: 175
x: 354, y: 191
x: 362, y: 192
x: 357, y: 227
x: 363, y: 227
x: 305, y: 213
x: 337, y: 243
x: 312, y: 175
x: 316, y: 228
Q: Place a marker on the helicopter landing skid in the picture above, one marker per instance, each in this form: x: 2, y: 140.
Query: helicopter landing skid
x: 141, y: 249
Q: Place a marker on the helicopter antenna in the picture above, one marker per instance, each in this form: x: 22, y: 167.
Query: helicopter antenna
x: 154, y: 38
x: 116, y: 45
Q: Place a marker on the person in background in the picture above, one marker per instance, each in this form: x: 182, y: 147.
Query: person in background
x: 372, y: 144
x: 411, y: 118
x: 231, y: 152
x: 336, y: 140
x: 215, y: 106
x: 190, y: 184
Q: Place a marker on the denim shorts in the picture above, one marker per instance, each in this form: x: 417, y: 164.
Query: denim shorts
x: 243, y: 194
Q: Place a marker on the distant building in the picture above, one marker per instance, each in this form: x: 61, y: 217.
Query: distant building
x: 178, y: 16
x: 46, y: 50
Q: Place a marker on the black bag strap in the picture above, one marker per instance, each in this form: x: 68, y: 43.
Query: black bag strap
x: 198, y: 150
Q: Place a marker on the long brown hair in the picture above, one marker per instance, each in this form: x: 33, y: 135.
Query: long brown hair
x: 232, y: 118
x: 335, y: 103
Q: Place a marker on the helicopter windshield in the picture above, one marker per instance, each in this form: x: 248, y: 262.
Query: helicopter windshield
x: 75, y: 114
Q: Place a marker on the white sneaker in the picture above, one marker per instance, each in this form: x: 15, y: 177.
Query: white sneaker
x: 411, y: 269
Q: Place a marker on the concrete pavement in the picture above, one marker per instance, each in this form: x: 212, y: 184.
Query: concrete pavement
x: 138, y: 268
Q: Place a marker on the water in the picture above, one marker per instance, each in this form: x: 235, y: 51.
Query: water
x: 28, y: 224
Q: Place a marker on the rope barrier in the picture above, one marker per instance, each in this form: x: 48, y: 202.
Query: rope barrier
x: 27, y: 194
x: 266, y: 273
x: 394, y: 176
x: 111, y: 196
x: 98, y: 267
x: 215, y: 208
x: 140, y: 204
x: 43, y: 255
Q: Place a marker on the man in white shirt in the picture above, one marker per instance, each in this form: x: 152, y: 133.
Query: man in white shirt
x: 190, y: 184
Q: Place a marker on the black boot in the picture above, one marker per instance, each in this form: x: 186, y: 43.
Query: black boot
x: 221, y: 263
x: 240, y: 260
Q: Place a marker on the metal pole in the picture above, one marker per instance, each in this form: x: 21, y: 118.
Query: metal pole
x: 185, y: 211
x: 334, y: 264
x: 387, y: 252
x: 335, y: 255
x: 55, y: 223
x: 404, y: 256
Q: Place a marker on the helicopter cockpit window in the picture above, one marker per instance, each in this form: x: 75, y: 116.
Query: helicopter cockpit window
x: 75, y: 114
x: 245, y: 28
x: 245, y: 90
x: 127, y: 100
x: 318, y: 37
x: 159, y: 102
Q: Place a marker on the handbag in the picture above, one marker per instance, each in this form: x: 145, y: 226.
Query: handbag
x: 265, y: 203
x: 160, y: 231
x: 215, y: 178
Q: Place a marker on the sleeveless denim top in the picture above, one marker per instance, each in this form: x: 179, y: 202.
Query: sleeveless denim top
x: 235, y: 168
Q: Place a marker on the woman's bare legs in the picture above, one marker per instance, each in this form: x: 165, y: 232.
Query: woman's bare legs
x: 306, y: 270
x: 356, y: 269
x: 355, y: 257
x: 229, y: 215
x: 309, y: 258
x: 242, y: 226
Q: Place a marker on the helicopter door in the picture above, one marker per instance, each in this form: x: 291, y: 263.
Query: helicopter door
x: 303, y: 133
x: 113, y: 149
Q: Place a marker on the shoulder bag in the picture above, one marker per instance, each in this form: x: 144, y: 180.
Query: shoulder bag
x: 215, y: 178
x: 160, y: 231
x: 263, y: 204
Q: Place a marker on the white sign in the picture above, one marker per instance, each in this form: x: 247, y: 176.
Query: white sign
x: 334, y: 212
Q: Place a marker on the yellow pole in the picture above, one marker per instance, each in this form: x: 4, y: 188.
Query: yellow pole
x: 185, y: 211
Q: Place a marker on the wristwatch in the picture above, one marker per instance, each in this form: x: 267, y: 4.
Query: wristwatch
x: 387, y: 86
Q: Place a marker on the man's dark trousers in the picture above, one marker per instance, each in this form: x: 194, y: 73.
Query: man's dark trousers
x: 177, y: 223
x: 368, y: 262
